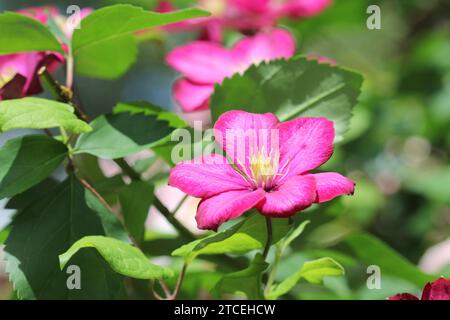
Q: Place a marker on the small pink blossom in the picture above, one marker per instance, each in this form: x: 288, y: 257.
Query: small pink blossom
x: 18, y: 72
x: 437, y: 290
x: 203, y: 64
x: 272, y: 168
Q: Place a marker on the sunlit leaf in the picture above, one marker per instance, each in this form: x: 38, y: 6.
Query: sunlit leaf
x: 122, y: 257
x: 311, y: 271
x: 38, y: 113
x: 104, y: 46
x: 20, y: 33
x: 248, y: 235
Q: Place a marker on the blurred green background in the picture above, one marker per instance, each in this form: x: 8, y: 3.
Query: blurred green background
x: 397, y: 149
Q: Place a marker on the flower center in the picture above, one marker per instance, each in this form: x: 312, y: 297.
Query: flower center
x: 264, y: 168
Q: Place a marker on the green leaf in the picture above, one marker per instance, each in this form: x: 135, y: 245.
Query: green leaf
x: 122, y: 257
x: 247, y: 281
x: 294, y: 234
x: 118, y: 135
x: 248, y: 235
x: 290, y: 89
x: 135, y: 200
x: 4, y: 235
x: 47, y: 228
x: 26, y: 161
x: 373, y: 251
x: 312, y: 271
x: 30, y: 196
x: 112, y: 226
x: 37, y: 113
x: 20, y: 33
x: 104, y: 46
x: 149, y: 109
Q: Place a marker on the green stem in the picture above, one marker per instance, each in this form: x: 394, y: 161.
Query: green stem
x: 182, y: 201
x: 269, y: 237
x: 128, y: 170
x: 273, y: 271
x: 171, y: 218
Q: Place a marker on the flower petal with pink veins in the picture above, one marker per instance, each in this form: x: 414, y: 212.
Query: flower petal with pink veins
x: 206, y: 176
x: 240, y: 132
x: 306, y: 143
x: 264, y: 46
x: 202, y: 62
x: 331, y: 185
x: 191, y: 96
x: 214, y: 211
x: 294, y: 194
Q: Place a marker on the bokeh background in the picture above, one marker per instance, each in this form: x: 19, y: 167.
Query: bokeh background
x: 397, y: 149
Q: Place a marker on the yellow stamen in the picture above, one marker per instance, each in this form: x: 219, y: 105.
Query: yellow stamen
x: 6, y: 76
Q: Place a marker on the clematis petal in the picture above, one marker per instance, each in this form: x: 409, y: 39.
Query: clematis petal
x: 202, y: 62
x: 264, y: 46
x: 239, y: 133
x: 253, y: 6
x: 305, y: 144
x: 214, y: 211
x: 437, y: 290
x: 295, y: 194
x: 191, y: 96
x: 331, y: 185
x: 404, y: 296
x: 304, y: 8
x: 206, y: 176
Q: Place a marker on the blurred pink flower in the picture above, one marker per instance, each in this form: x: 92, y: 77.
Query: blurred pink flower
x: 244, y: 15
x: 203, y: 64
x: 18, y: 72
x: 272, y: 168
x: 437, y: 290
x: 320, y: 59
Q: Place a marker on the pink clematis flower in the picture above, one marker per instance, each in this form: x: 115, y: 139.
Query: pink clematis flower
x: 18, y: 72
x: 244, y: 15
x: 437, y: 290
x: 271, y: 172
x: 203, y: 64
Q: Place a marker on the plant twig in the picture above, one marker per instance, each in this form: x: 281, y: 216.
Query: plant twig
x: 96, y: 194
x: 60, y: 92
x: 180, y: 281
x: 129, y: 171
